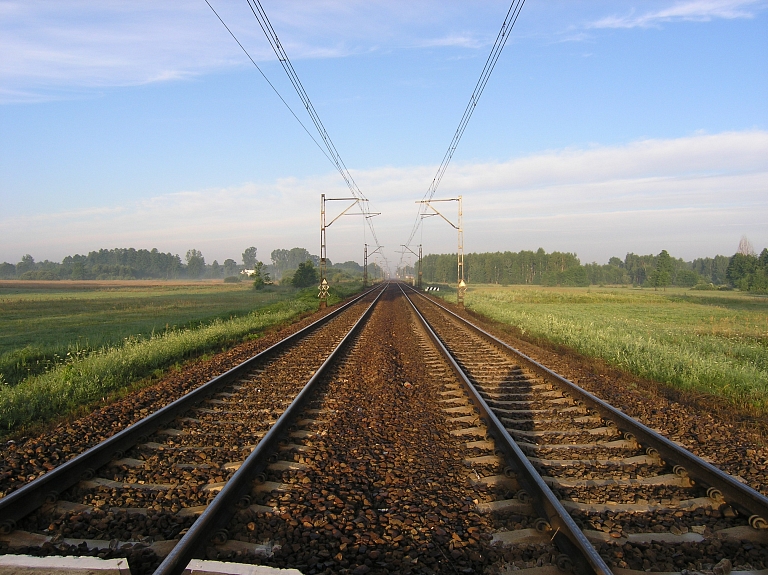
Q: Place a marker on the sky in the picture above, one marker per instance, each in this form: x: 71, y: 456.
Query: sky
x: 607, y: 127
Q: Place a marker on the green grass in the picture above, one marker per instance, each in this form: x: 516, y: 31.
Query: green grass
x: 125, y: 357
x: 711, y: 342
x: 40, y: 326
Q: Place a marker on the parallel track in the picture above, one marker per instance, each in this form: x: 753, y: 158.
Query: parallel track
x: 172, y: 464
x: 398, y: 437
x: 590, y: 471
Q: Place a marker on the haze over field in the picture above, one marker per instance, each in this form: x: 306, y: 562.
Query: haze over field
x: 607, y: 127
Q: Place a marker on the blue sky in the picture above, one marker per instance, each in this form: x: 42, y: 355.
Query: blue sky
x: 607, y: 127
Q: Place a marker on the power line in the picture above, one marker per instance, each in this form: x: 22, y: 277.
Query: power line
x: 268, y: 82
x: 266, y: 26
x: 490, y: 64
x: 330, y: 151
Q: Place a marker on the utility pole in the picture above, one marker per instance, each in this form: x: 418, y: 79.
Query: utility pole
x: 419, y: 280
x: 418, y: 277
x: 461, y: 287
x: 323, y: 295
x: 365, y: 263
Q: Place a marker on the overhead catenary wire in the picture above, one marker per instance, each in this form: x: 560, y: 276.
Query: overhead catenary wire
x: 329, y: 151
x: 335, y: 157
x: 319, y: 147
x: 490, y: 64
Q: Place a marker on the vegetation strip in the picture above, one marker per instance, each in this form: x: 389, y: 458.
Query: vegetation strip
x: 43, y: 325
x: 712, y: 344
x: 87, y: 379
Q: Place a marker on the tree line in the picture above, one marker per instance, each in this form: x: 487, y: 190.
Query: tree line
x: 745, y: 271
x: 131, y: 263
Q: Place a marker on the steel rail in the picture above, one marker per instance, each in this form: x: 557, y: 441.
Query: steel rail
x: 566, y: 534
x: 749, y: 501
x: 46, y: 489
x: 233, y: 495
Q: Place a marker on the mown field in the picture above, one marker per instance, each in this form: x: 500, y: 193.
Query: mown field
x: 66, y: 344
x: 710, y: 342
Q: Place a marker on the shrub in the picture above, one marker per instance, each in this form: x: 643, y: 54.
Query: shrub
x: 305, y: 276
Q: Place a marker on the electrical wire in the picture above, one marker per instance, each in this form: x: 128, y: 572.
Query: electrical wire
x: 268, y: 82
x: 490, y: 64
x: 266, y: 26
x: 330, y: 151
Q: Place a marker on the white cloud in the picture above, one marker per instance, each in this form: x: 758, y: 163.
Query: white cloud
x: 691, y: 10
x: 463, y: 40
x: 52, y: 47
x: 693, y: 196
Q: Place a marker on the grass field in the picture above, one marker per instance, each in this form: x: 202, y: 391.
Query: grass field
x: 712, y: 342
x: 66, y: 345
x: 42, y: 322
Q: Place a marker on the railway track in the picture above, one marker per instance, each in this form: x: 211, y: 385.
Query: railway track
x: 391, y: 437
x: 151, y: 481
x: 601, y: 483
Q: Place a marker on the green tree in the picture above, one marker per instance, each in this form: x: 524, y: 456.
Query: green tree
x: 27, y: 264
x: 249, y: 258
x: 305, y: 276
x: 7, y: 271
x: 740, y: 268
x: 78, y: 271
x: 215, y: 269
x: 195, y: 264
x: 260, y: 276
x: 661, y: 276
x: 687, y: 278
x: 230, y: 267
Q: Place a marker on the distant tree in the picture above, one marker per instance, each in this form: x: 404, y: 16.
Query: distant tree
x: 27, y: 264
x: 7, y: 271
x: 687, y: 278
x: 614, y: 261
x: 286, y: 260
x: 305, y: 276
x: 230, y: 268
x: 215, y: 269
x: 745, y: 247
x: 662, y: 274
x: 261, y: 276
x: 249, y: 258
x: 739, y: 272
x: 78, y: 271
x: 195, y: 264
